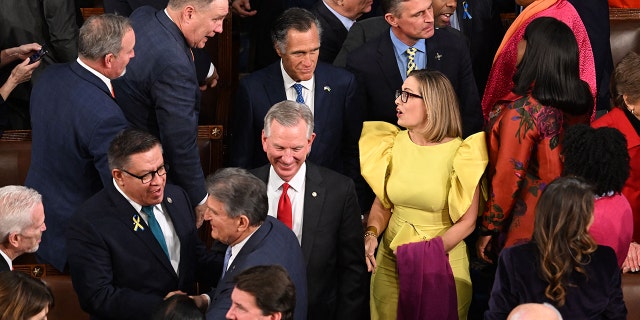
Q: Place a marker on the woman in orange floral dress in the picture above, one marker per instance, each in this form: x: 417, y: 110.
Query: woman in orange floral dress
x: 525, y: 128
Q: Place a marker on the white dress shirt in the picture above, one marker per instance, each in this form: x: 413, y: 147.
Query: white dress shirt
x: 168, y: 231
x: 296, y: 195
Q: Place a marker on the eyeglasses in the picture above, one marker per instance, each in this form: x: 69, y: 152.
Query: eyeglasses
x: 147, y: 177
x: 404, y: 95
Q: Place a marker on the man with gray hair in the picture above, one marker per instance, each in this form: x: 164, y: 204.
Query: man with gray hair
x: 328, y: 91
x: 161, y: 93
x: 21, y: 223
x: 321, y: 207
x: 74, y: 117
x: 237, y: 211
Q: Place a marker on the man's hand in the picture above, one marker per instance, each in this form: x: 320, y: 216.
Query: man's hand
x: 211, y: 81
x: 26, y: 50
x: 200, y: 211
x: 242, y: 8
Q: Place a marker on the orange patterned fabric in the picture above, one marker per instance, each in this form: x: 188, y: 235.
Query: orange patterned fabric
x: 524, y: 157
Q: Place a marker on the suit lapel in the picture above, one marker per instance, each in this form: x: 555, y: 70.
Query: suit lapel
x: 274, y: 85
x: 434, y: 55
x: 387, y: 62
x: 314, y: 195
x: 126, y: 214
x: 89, y: 77
x: 322, y: 98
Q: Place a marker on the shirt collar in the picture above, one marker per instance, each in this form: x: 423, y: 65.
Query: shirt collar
x: 6, y: 258
x: 135, y: 205
x: 296, y: 182
x: 401, y: 47
x: 346, y: 22
x: 100, y: 76
x: 288, y: 81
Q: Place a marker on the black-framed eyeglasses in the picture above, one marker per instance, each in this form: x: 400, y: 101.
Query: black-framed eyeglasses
x: 147, y: 177
x: 404, y: 95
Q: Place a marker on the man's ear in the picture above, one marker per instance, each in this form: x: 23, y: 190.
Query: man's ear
x: 108, y: 58
x: 243, y: 223
x: 187, y: 13
x: 117, y: 175
x: 276, y: 316
x: 12, y: 239
x: 391, y: 19
x: 264, y: 141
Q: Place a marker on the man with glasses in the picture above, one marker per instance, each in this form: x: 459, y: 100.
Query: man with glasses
x: 135, y: 242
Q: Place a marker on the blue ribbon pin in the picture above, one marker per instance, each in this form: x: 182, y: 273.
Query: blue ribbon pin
x: 466, y: 14
x: 136, y: 223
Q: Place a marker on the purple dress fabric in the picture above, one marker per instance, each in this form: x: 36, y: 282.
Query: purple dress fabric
x: 427, y: 287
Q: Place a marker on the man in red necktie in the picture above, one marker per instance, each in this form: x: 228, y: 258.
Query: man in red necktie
x: 322, y: 209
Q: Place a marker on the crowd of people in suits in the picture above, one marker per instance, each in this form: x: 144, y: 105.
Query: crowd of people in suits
x: 376, y: 164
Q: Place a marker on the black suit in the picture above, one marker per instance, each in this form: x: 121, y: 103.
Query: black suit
x: 484, y: 31
x: 4, y: 266
x: 121, y: 272
x: 376, y: 69
x: 333, y: 32
x: 332, y: 244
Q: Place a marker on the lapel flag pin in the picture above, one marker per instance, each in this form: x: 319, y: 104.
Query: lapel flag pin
x: 169, y: 200
x: 314, y: 194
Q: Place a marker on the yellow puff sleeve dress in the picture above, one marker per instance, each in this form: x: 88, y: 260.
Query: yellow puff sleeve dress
x: 428, y: 188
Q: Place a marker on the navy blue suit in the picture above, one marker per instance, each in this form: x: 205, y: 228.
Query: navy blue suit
x: 272, y: 243
x: 120, y: 273
x: 4, y: 266
x: 337, y: 118
x: 160, y: 93
x: 375, y: 66
x: 332, y: 244
x: 333, y: 32
x: 74, y: 119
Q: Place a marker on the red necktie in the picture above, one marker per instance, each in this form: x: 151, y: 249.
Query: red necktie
x: 284, y: 206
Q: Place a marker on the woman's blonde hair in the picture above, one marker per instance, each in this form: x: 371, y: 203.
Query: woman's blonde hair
x: 441, y: 105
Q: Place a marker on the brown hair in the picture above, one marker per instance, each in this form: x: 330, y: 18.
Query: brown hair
x: 626, y: 80
x: 441, y: 104
x: 563, y: 214
x: 22, y: 297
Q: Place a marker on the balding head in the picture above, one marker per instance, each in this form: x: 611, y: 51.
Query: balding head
x: 534, y: 311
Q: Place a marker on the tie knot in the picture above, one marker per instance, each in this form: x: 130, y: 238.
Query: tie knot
x: 148, y: 210
x: 411, y: 52
x: 285, y: 187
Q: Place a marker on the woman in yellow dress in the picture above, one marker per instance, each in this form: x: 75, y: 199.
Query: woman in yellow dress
x: 427, y: 184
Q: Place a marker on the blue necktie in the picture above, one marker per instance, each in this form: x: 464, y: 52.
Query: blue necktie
x: 155, y: 228
x: 299, y: 98
x: 227, y: 257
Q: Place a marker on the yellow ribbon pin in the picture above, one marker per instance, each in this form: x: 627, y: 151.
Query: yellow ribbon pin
x: 136, y: 223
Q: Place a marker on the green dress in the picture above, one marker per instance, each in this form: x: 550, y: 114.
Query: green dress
x: 428, y: 188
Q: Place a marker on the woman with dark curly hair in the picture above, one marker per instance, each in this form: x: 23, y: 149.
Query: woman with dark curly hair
x: 625, y: 116
x: 562, y: 265
x: 600, y: 156
x: 23, y: 297
x: 525, y: 127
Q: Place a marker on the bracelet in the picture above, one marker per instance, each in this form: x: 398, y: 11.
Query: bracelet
x: 370, y: 234
x: 372, y: 229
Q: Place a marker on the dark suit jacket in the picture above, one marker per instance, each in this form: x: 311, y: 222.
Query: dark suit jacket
x: 484, y: 31
x: 376, y: 69
x: 337, y: 118
x: 333, y: 32
x: 362, y: 31
x: 272, y: 243
x: 50, y: 22
x: 74, y: 119
x: 332, y: 244
x: 126, y: 7
x: 120, y: 273
x: 518, y: 281
x: 160, y: 93
x: 3, y: 265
